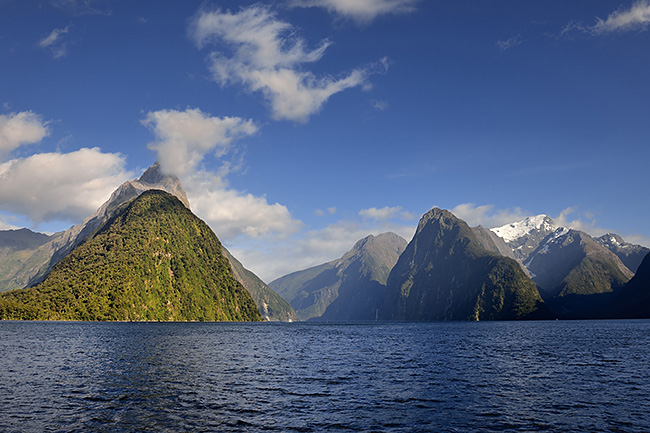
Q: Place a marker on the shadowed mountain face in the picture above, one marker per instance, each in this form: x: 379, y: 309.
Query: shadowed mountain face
x: 349, y: 288
x: 633, y: 300
x: 153, y: 260
x: 570, y: 262
x: 445, y: 273
x: 630, y: 254
x: 271, y: 305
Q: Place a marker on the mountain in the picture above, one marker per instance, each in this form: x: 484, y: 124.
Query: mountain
x: 348, y: 288
x: 570, y: 262
x: 524, y: 236
x: 270, y: 305
x: 32, y: 265
x: 20, y: 240
x: 630, y: 254
x: 16, y: 248
x: 446, y: 273
x: 152, y: 260
x: 633, y: 301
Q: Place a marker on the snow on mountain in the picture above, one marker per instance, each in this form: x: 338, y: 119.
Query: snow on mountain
x: 514, y: 231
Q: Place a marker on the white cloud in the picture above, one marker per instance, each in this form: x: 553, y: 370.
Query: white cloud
x: 571, y: 217
x: 183, y: 138
x: 54, y: 42
x: 509, y: 43
x: 386, y: 213
x: 315, y: 247
x: 486, y: 215
x: 6, y: 226
x: 360, y: 10
x: 21, y: 128
x: 267, y: 57
x: 637, y: 17
x: 638, y: 239
x: 379, y: 105
x: 60, y: 186
x: 232, y: 214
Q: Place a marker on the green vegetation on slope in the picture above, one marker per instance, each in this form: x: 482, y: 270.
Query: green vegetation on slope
x: 154, y: 260
x: 270, y: 305
x: 446, y: 274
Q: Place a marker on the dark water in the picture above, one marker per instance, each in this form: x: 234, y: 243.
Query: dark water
x: 588, y: 376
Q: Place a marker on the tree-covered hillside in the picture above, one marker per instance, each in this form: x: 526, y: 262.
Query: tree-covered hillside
x: 154, y: 260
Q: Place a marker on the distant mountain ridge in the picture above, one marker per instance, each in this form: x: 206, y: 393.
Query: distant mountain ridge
x: 630, y: 254
x: 347, y: 288
x: 575, y: 272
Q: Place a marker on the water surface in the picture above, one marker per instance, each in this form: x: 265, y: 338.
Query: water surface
x: 554, y: 376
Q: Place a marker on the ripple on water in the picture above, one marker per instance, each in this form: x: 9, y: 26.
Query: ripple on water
x: 465, y: 377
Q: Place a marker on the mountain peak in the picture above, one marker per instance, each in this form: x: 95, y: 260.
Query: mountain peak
x: 154, y: 174
x: 154, y: 178
x: 446, y: 273
x: 518, y: 229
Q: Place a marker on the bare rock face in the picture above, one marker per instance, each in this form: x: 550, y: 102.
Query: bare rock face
x: 524, y: 236
x: 348, y: 288
x: 570, y: 262
x: 630, y: 254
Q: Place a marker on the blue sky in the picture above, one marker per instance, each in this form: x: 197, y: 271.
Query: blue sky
x: 298, y: 127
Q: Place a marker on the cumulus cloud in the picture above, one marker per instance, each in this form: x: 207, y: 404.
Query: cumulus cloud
x: 268, y: 57
x: 487, y: 215
x: 54, y: 41
x: 360, y: 10
x: 183, y: 138
x: 232, y: 213
x: 60, y: 186
x: 21, y: 128
x: 386, y: 213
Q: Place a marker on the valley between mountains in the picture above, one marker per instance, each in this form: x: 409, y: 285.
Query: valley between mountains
x: 144, y: 256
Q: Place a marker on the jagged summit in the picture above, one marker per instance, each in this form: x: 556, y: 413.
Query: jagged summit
x: 525, y: 236
x: 630, y: 254
x: 518, y: 229
x: 152, y: 178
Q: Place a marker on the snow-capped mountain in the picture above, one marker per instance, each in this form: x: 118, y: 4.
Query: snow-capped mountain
x: 630, y: 254
x: 526, y: 235
x: 570, y: 262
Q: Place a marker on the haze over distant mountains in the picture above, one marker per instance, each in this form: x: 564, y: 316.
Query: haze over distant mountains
x: 529, y: 269
x: 348, y: 288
